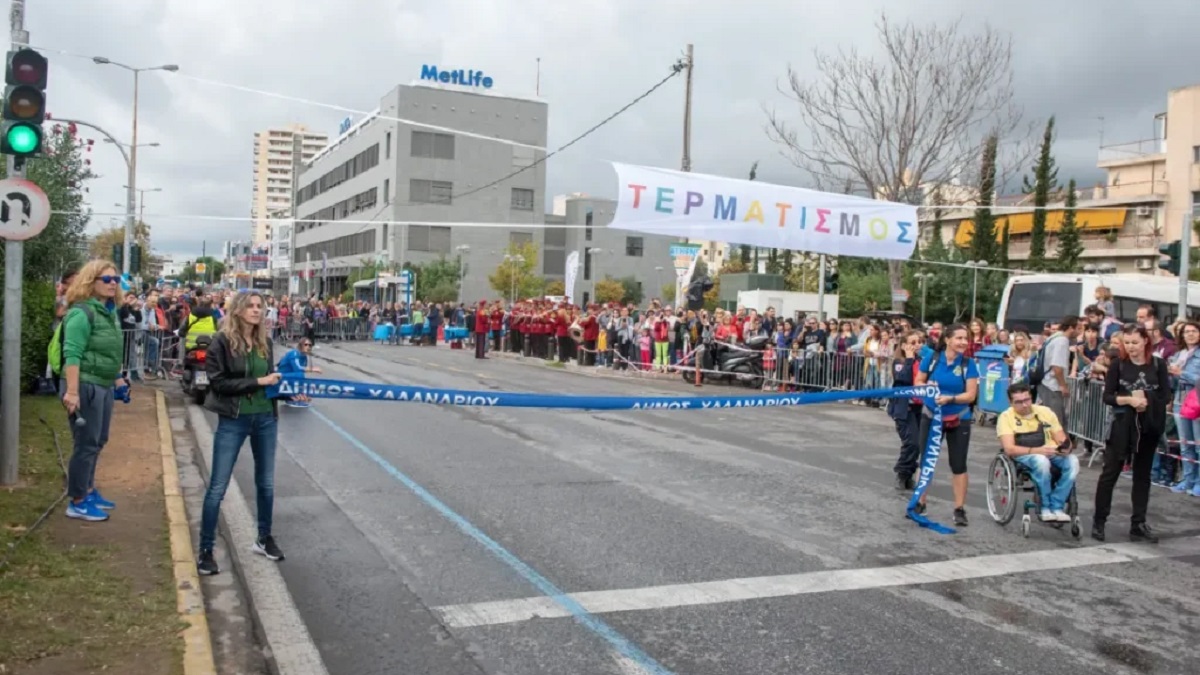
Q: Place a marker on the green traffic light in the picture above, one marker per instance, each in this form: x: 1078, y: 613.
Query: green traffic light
x: 22, y: 139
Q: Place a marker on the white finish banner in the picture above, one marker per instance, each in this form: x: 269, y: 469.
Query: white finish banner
x: 712, y: 208
x: 572, y: 268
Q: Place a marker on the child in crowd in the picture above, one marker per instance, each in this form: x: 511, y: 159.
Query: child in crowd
x: 645, y: 344
x: 602, y: 348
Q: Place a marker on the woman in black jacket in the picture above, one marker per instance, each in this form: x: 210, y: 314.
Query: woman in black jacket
x: 240, y: 367
x: 1138, y: 388
x: 906, y: 412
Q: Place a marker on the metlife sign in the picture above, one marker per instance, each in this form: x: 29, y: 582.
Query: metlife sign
x: 465, y: 78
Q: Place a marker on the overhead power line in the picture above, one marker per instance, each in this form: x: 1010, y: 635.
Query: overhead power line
x: 675, y: 70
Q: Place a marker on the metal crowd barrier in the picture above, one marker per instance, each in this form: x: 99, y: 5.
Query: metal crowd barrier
x: 150, y: 352
x: 327, y: 330
x: 1088, y: 418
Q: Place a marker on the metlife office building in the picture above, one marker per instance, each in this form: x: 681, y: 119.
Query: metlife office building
x: 382, y: 171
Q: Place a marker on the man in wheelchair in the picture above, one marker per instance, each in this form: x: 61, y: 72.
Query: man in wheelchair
x: 1032, y: 436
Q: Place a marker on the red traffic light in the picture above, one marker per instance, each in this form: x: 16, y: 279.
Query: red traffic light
x: 26, y: 66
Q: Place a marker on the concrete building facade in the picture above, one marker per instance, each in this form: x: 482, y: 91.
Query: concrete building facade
x: 381, y: 191
x: 278, y: 152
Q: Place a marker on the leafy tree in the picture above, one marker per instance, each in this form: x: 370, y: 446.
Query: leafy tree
x: 609, y: 290
x: 936, y: 248
x: 668, y: 293
x: 61, y: 173
x: 1070, y: 248
x: 442, y: 275
x: 522, y: 276
x: 880, y: 119
x: 858, y: 293
x: 701, y: 269
x: 556, y: 287
x: 37, y: 310
x: 215, y: 269
x: 633, y: 290
x: 983, y: 241
x: 1045, y: 180
x: 101, y: 245
x: 734, y: 267
x: 803, y: 277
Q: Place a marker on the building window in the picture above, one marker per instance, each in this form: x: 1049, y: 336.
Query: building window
x: 633, y: 246
x: 430, y: 191
x: 587, y: 220
x: 1196, y: 154
x: 387, y: 191
x: 520, y: 238
x: 587, y: 265
x: 432, y: 146
x: 387, y: 149
x: 522, y: 199
x: 429, y: 239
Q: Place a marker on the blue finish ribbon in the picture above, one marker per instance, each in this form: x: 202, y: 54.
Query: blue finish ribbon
x: 294, y: 385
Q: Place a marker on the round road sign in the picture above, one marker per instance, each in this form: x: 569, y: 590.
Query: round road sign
x: 24, y: 209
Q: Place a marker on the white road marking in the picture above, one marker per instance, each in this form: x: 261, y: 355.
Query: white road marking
x: 757, y: 588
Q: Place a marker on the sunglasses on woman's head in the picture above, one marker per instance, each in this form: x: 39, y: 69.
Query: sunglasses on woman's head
x: 108, y: 279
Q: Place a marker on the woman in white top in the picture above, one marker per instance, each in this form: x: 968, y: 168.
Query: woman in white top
x: 1019, y: 354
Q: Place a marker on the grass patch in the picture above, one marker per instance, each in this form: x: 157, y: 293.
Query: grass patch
x: 59, y: 599
x: 555, y: 364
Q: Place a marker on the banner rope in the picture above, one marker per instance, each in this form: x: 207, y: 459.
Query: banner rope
x: 296, y: 385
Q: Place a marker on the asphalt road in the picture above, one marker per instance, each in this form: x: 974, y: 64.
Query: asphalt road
x: 434, y: 540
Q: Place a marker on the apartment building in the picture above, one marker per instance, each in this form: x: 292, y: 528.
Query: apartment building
x: 1150, y: 188
x: 278, y: 153
x: 380, y: 191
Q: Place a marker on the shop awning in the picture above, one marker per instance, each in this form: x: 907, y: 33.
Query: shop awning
x: 1022, y: 223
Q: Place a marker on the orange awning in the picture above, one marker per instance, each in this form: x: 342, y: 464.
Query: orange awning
x: 1022, y: 223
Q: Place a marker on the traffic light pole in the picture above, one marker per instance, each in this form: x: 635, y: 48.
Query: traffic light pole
x: 821, y: 290
x: 1185, y: 254
x: 14, y: 269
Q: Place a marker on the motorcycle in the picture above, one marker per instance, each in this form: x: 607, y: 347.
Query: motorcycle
x: 195, y: 379
x: 721, y: 362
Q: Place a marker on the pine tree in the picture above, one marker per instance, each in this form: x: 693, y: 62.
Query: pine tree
x: 983, y: 241
x: 744, y: 250
x: 1045, y: 180
x: 1004, y: 243
x: 1069, y: 247
x: 936, y: 248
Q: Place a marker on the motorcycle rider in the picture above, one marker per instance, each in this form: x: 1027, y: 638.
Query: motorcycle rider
x: 200, y: 322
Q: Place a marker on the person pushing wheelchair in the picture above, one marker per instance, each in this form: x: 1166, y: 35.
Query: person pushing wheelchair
x: 1032, y: 436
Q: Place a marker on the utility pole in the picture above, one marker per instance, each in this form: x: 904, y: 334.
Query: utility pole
x: 14, y: 264
x: 688, y: 63
x: 1185, y: 262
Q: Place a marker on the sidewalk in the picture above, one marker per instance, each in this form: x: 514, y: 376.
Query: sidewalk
x: 82, y: 597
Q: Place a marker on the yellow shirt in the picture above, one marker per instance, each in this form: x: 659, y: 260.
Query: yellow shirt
x: 1010, y: 424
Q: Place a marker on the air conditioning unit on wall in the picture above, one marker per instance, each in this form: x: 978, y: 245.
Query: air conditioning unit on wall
x: 1143, y: 211
x: 1145, y: 264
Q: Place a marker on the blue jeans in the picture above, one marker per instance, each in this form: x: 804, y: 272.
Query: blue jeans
x: 95, y: 412
x: 1039, y: 473
x: 1189, y: 433
x: 227, y: 443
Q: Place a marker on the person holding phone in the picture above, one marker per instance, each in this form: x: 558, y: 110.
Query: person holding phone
x: 1138, y: 388
x: 240, y: 367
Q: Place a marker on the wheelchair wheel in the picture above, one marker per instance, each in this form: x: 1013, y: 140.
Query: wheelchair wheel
x: 1073, y: 511
x: 1002, y: 490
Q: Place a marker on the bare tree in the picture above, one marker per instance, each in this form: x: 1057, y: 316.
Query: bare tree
x: 913, y: 118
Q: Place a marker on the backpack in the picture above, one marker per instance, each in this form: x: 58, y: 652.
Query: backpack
x: 54, y: 350
x: 1035, y: 372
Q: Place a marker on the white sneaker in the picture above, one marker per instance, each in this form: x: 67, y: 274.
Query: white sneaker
x: 1047, y: 515
x: 1061, y: 516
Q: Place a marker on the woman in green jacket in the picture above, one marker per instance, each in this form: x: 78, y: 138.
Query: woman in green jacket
x: 92, y: 354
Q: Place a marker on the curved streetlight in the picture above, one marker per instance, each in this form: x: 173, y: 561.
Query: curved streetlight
x: 922, y: 278
x: 133, y: 146
x: 975, y: 266
x: 463, y: 250
x: 517, y: 259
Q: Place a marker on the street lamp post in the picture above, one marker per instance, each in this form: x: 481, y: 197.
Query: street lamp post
x: 975, y: 266
x: 515, y: 260
x: 922, y: 278
x: 463, y: 250
x: 595, y: 262
x: 658, y: 278
x: 133, y: 146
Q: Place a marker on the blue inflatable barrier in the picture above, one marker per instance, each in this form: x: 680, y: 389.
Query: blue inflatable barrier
x: 368, y: 391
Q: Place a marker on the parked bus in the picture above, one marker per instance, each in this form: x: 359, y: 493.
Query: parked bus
x: 1032, y: 300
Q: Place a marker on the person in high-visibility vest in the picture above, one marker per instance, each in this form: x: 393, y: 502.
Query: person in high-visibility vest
x: 200, y: 322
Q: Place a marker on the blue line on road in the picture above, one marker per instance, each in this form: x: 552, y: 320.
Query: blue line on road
x: 619, y: 642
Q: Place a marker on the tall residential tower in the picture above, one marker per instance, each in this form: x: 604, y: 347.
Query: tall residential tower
x: 278, y: 153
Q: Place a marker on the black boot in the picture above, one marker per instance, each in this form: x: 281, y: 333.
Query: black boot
x: 1142, y: 532
x: 1098, y: 530
x: 903, y: 482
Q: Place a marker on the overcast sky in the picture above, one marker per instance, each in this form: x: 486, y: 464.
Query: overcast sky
x: 1110, y: 58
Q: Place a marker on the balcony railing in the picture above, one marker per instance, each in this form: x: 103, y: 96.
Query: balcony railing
x: 1122, y: 152
x: 1141, y: 244
x: 1144, y: 188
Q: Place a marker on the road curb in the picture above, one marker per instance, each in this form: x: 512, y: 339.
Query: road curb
x: 197, y: 640
x: 292, y: 649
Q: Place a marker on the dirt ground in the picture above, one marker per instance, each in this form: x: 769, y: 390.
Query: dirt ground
x: 106, y: 598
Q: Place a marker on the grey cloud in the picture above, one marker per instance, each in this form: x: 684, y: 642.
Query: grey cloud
x: 1111, y: 58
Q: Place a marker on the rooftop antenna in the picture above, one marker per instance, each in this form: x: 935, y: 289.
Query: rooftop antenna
x: 538, y: 86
